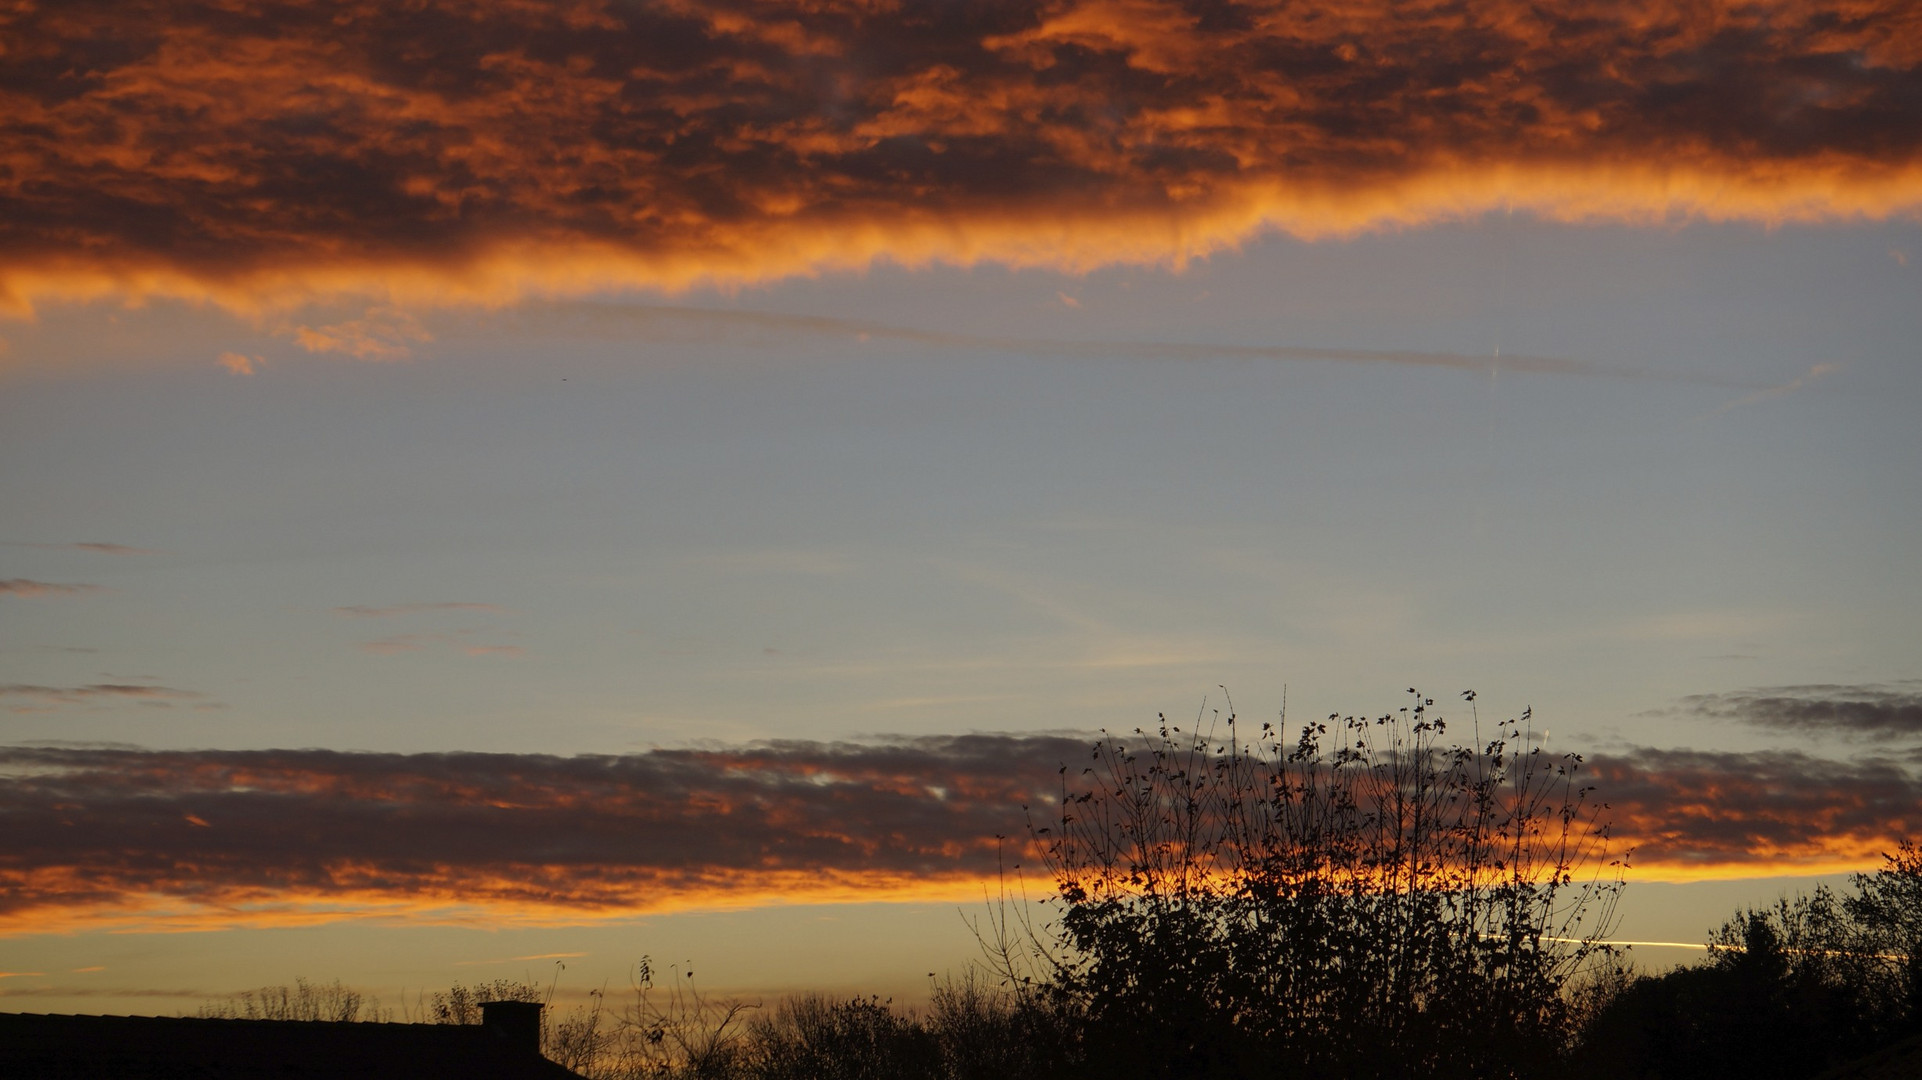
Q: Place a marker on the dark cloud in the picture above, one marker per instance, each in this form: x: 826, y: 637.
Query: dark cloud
x: 1880, y: 712
x: 105, y: 834
x: 26, y: 587
x: 102, y: 829
x: 274, y: 148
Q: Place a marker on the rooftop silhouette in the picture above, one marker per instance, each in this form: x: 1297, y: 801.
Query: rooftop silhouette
x: 505, y: 1046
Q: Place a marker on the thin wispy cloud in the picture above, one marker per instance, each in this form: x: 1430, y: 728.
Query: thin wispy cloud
x: 468, y: 640
x: 520, y: 959
x: 259, y: 155
x: 58, y: 991
x: 363, y: 611
x: 29, y: 587
x: 462, y: 641
x: 31, y: 697
x: 676, y: 320
x: 96, y: 548
x: 112, y: 549
x: 809, y: 562
x: 120, y: 837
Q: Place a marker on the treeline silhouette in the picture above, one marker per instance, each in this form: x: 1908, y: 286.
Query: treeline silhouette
x: 1785, y: 992
x: 1365, y: 899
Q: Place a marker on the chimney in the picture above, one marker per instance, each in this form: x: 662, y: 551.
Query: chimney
x: 518, y: 1022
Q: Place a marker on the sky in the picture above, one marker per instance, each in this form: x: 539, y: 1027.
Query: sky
x: 499, y: 486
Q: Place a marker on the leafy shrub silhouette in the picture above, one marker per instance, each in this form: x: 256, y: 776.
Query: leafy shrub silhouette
x: 1396, y: 905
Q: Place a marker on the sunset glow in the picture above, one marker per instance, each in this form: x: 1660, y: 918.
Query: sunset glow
x: 576, y: 479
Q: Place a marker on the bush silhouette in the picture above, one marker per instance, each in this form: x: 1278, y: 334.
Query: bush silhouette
x: 811, y: 1036
x: 461, y: 1004
x: 986, y: 1034
x: 331, y: 1002
x: 1394, y: 905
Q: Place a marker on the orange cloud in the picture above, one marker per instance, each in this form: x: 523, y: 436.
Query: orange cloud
x: 381, y: 334
x: 239, y: 363
x: 484, y: 149
x: 1691, y: 815
x: 109, y: 838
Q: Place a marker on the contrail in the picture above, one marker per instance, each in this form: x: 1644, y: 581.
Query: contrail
x: 1696, y: 945
x: 1763, y: 393
x: 1701, y: 947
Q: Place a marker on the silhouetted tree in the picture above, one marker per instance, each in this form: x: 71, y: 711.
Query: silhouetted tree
x: 1887, y: 906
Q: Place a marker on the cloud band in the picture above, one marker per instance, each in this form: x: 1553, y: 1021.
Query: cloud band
x: 185, y: 839
x: 482, y: 149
